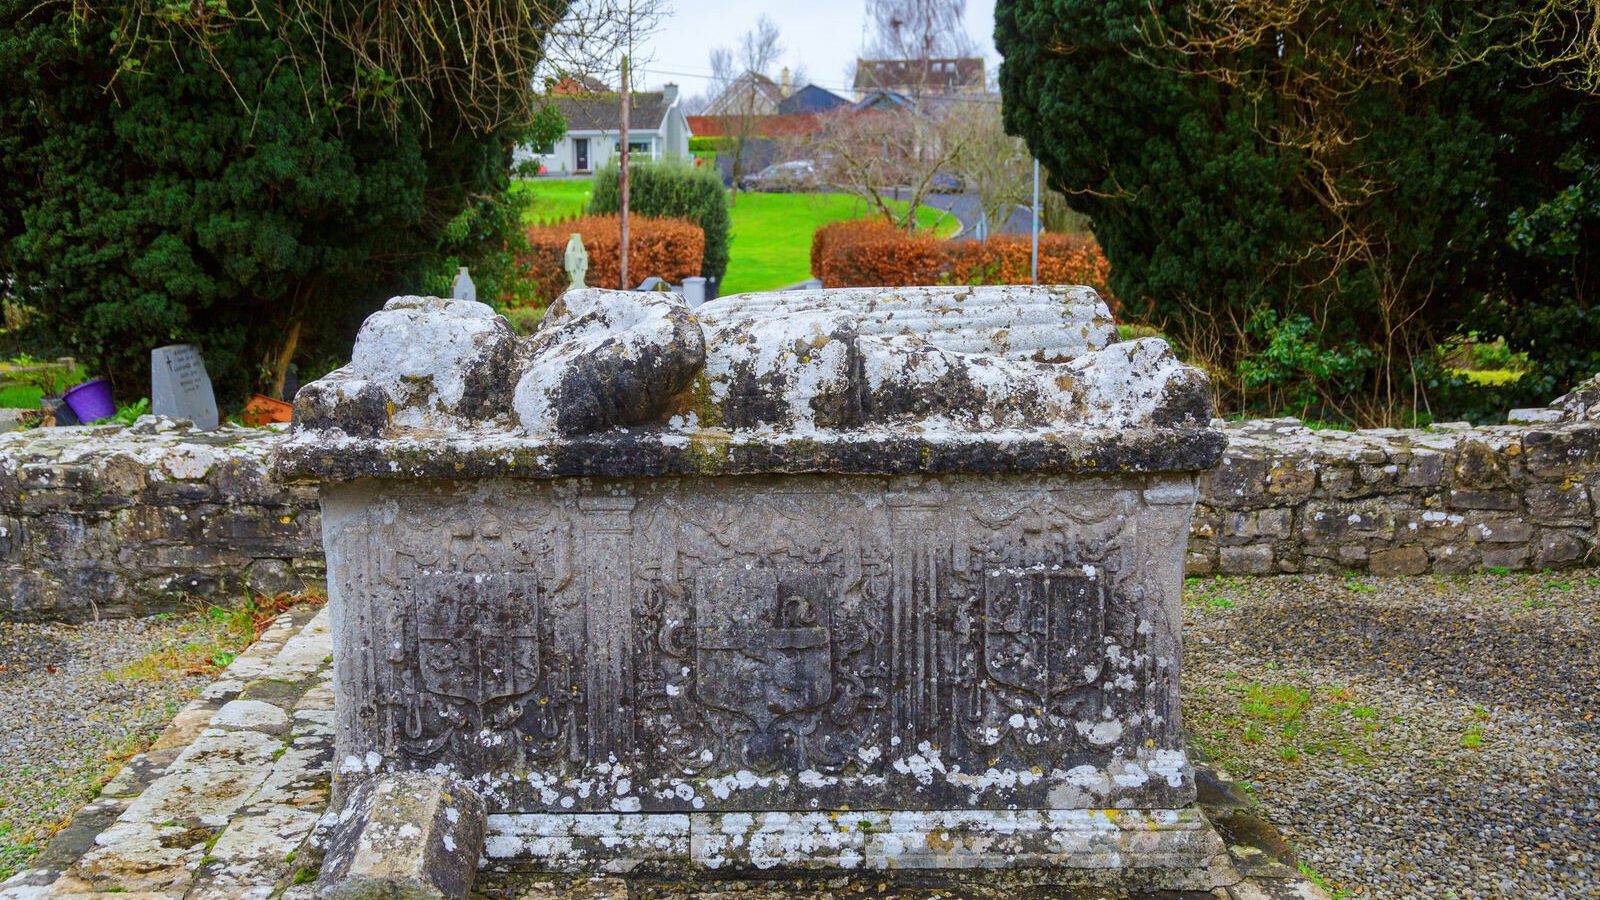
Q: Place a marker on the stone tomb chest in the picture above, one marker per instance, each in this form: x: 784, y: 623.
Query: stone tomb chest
x: 852, y: 578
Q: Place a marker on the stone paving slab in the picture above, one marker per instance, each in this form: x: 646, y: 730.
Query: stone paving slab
x: 226, y: 804
x: 219, y: 805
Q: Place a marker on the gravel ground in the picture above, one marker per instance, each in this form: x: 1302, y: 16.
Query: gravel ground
x: 76, y: 700
x: 1432, y: 736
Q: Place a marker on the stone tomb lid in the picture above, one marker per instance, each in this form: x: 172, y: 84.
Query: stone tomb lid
x: 857, y: 380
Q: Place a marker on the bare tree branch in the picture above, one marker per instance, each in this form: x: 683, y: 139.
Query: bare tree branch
x: 883, y: 155
x: 740, y: 104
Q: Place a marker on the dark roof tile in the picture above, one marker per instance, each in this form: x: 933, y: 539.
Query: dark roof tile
x: 603, y: 112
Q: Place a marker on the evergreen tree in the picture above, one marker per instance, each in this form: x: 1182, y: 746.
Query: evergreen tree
x: 1350, y: 165
x: 209, y: 180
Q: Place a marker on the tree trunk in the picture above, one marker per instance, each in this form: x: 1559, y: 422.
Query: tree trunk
x: 280, y: 366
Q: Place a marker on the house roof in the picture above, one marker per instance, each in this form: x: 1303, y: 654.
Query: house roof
x: 883, y: 99
x: 796, y: 125
x: 921, y: 75
x: 647, y: 111
x: 810, y: 99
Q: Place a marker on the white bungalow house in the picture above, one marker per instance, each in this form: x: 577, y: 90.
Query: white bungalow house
x: 657, y: 129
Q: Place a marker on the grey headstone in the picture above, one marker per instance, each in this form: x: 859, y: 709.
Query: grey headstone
x: 180, y: 387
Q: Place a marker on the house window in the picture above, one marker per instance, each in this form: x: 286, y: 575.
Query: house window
x: 633, y: 147
x: 545, y: 149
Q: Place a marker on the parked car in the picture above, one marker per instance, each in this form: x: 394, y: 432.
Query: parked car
x: 795, y: 175
x: 944, y: 183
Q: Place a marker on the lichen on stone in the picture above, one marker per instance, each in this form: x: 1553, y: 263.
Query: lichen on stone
x: 965, y: 379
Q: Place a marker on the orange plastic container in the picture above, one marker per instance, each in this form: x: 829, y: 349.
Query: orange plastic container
x: 263, y: 410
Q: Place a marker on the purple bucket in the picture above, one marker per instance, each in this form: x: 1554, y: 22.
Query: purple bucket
x: 91, y: 401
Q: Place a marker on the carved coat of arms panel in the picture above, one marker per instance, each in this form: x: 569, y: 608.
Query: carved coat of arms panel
x: 817, y: 647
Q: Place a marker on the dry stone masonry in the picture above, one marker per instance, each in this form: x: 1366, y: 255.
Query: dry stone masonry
x: 112, y: 521
x: 1405, y: 501
x: 858, y: 579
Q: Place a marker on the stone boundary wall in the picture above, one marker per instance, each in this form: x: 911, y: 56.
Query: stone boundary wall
x: 114, y: 521
x: 1398, y: 502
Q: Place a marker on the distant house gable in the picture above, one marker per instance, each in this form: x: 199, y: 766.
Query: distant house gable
x: 810, y: 99
x: 750, y: 94
x: 657, y: 129
x: 576, y: 84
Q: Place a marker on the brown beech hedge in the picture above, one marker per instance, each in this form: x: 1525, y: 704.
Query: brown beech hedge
x: 669, y: 249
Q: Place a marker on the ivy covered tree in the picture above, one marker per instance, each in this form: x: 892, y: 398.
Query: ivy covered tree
x: 253, y: 183
x: 1356, y: 168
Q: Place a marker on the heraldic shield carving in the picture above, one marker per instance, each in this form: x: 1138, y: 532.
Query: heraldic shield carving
x: 478, y: 645
x: 763, y: 650
x: 1042, y: 629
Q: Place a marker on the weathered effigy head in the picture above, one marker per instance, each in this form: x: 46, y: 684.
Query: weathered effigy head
x: 838, y: 578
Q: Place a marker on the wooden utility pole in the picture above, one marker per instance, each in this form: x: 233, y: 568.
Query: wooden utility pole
x: 622, y: 179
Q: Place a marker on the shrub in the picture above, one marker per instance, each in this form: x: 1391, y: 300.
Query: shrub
x: 874, y: 253
x: 184, y: 181
x: 1239, y: 157
x: 679, y: 190
x: 1008, y: 259
x: 1298, y: 370
x: 670, y: 249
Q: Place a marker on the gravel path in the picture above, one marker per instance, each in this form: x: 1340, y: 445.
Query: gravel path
x: 1430, y: 736
x: 76, y: 700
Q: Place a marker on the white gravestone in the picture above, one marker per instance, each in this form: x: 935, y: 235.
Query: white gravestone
x: 464, y: 289
x: 180, y: 387
x: 694, y: 291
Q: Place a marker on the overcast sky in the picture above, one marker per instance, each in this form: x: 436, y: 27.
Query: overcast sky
x: 824, y: 36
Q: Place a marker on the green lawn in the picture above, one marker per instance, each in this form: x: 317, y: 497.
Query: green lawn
x: 1489, y: 377
x: 771, y: 244
x: 554, y: 198
x: 20, y: 396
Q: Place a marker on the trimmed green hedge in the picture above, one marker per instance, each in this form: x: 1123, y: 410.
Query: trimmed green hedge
x: 675, y: 189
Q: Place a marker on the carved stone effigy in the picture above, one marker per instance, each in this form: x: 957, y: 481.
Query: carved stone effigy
x: 832, y: 579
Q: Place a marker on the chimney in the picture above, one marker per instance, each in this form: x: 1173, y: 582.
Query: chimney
x: 669, y: 93
x: 783, y: 86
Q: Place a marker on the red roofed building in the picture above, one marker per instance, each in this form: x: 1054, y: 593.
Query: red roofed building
x: 796, y: 125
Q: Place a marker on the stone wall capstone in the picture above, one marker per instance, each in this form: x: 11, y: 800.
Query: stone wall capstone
x: 114, y: 521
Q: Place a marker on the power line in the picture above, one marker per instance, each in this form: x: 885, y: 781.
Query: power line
x: 958, y: 98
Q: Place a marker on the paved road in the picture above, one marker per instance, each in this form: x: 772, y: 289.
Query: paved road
x: 965, y: 207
